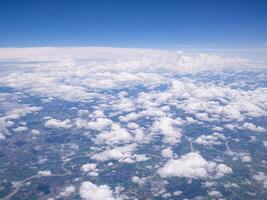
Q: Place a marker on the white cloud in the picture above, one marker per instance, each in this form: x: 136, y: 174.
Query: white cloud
x: 21, y: 111
x: 2, y: 136
x: 253, y: 127
x: 166, y: 195
x: 261, y: 178
x: 139, y: 136
x: 99, y: 124
x: 213, y: 139
x: 20, y: 129
x: 35, y: 132
x: 90, y: 169
x: 217, y: 128
x: 44, y: 173
x: 245, y: 157
x: 138, y: 180
x: 222, y: 169
x: 119, y: 123
x: 192, y: 165
x: 90, y: 191
x: 13, y: 111
x: 78, y: 69
x: 110, y: 133
x: 129, y: 117
x: 165, y: 126
x: 122, y: 154
x: 55, y: 123
x: 133, y: 125
x: 67, y: 191
x: 167, y: 153
x: 177, y: 193
x: 117, y: 134
x: 127, y: 57
x: 215, y: 194
x: 118, y: 153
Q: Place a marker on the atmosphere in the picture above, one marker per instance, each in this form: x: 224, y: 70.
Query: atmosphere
x: 133, y: 100
x: 171, y: 24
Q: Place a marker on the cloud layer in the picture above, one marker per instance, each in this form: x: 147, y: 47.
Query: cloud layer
x: 165, y: 115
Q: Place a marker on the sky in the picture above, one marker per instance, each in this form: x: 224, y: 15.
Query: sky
x: 189, y: 124
x: 163, y: 24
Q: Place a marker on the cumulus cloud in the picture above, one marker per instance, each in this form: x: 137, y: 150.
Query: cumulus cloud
x: 2, y: 136
x: 138, y: 180
x: 102, y: 68
x: 90, y: 169
x: 122, y: 154
x: 99, y: 124
x: 13, y: 111
x: 137, y: 100
x: 215, y: 194
x: 165, y: 126
x: 20, y: 129
x: 90, y: 191
x: 55, y: 123
x: 118, y: 153
x: 253, y: 127
x: 261, y: 178
x: 167, y: 153
x: 44, y: 173
x: 222, y: 169
x: 128, y: 57
x: 245, y: 157
x: 35, y: 132
x: 110, y: 133
x: 192, y: 165
x: 116, y: 134
x: 21, y: 111
x: 67, y: 191
x: 213, y: 139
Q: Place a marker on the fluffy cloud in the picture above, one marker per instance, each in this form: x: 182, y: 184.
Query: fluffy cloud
x: 21, y: 111
x: 121, y: 154
x: 55, y: 123
x: 165, y: 126
x: 167, y: 153
x: 215, y: 194
x: 213, y: 139
x: 138, y: 180
x: 67, y: 191
x: 252, y: 127
x: 90, y: 191
x: 98, y: 124
x: 20, y: 129
x: 261, y: 178
x: 102, y: 68
x: 44, y: 173
x: 245, y: 157
x: 90, y: 169
x: 222, y: 169
x: 13, y: 111
x: 192, y: 165
x: 35, y: 132
x: 116, y: 134
x: 2, y: 136
x: 118, y: 153
x: 110, y: 133
x: 137, y: 100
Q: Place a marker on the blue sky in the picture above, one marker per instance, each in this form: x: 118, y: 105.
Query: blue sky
x: 164, y: 24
